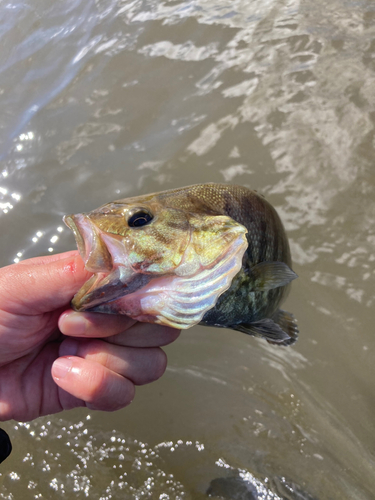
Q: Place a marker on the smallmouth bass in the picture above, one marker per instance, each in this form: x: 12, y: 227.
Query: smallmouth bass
x: 212, y: 254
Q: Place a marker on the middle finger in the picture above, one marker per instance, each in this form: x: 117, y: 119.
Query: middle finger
x: 140, y: 365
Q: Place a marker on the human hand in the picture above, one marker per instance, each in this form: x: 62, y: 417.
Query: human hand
x: 53, y: 358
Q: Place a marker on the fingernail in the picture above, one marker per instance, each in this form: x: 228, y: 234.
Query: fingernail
x: 73, y: 323
x: 61, y: 367
x: 69, y: 347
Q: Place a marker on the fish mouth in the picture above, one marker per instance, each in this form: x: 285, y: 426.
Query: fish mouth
x: 101, y: 254
x: 102, y: 288
x: 91, y: 246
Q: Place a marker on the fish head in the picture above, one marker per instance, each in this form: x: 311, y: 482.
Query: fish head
x: 146, y: 255
x: 147, y: 238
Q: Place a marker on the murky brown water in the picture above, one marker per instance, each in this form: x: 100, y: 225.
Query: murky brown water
x: 127, y: 97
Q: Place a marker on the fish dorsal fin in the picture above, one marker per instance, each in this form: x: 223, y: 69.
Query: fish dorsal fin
x: 268, y: 275
x: 281, y: 329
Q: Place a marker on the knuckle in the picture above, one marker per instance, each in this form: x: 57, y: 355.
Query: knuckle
x: 161, y: 364
x: 94, y: 350
x: 156, y: 366
x: 127, y: 395
x: 114, y: 400
x: 171, y: 334
x: 98, y: 387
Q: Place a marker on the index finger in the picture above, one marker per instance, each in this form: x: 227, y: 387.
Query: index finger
x: 42, y: 285
x: 117, y: 329
x: 47, y: 259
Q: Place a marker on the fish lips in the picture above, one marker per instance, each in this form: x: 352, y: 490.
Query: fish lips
x: 109, y: 281
x: 91, y: 246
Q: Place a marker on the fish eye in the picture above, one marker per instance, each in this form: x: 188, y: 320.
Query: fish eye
x: 139, y: 217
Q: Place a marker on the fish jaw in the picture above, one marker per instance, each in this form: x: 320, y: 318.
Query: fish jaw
x: 91, y: 246
x: 102, y: 288
x: 105, y: 256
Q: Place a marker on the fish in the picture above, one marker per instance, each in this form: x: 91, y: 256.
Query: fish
x: 209, y: 254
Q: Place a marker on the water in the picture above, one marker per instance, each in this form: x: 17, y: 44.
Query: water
x: 115, y: 98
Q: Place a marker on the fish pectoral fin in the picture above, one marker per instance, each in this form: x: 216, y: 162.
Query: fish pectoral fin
x: 280, y: 330
x: 269, y: 275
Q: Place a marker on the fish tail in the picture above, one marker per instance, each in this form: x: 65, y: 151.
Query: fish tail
x: 281, y: 329
x: 288, y: 324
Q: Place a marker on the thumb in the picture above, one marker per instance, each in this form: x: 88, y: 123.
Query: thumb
x: 41, y: 285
